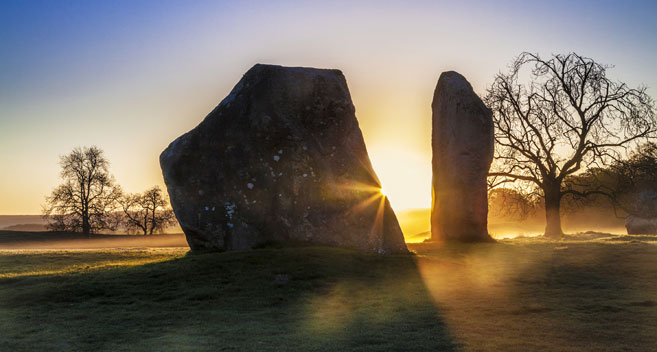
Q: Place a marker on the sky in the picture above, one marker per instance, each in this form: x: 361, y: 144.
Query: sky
x: 131, y: 76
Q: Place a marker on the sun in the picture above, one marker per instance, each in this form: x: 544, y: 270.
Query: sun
x: 404, y: 176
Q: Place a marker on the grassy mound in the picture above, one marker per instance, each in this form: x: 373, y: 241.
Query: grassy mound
x: 527, y: 294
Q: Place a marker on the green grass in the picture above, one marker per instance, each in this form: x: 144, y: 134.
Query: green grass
x: 583, y: 293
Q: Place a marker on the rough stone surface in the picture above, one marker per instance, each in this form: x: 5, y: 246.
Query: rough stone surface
x: 462, y: 145
x: 280, y: 159
x: 640, y: 226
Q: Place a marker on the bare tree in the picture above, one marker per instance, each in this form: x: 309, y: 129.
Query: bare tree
x: 86, y: 200
x: 568, y: 117
x: 147, y: 212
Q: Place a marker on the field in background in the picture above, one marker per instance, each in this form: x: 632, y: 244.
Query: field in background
x: 416, y: 224
x: 22, y: 223
x: 66, y: 240
x: 587, y: 292
x: 35, y: 223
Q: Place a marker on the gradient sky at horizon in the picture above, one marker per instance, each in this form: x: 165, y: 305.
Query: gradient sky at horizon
x: 130, y: 76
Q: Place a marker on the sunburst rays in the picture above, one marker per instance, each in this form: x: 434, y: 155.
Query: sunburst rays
x: 375, y: 195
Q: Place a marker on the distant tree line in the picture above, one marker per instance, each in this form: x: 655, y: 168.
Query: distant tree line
x: 629, y: 185
x: 89, y: 200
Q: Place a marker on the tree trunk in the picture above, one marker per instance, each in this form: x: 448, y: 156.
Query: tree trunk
x: 552, y: 215
x: 86, y: 228
x: 153, y: 219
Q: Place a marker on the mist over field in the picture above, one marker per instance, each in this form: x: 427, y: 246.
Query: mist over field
x: 416, y: 225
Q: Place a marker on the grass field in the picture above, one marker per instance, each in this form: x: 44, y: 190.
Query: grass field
x: 588, y: 292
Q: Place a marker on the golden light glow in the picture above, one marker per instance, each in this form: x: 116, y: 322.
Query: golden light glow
x: 405, y: 175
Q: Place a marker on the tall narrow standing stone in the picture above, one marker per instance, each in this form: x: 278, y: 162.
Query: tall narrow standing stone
x: 280, y: 159
x: 462, y: 144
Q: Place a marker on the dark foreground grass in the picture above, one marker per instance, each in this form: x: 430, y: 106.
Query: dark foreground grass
x: 519, y: 295
x: 269, y: 299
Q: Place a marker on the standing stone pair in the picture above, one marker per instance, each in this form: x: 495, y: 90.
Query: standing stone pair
x: 282, y: 159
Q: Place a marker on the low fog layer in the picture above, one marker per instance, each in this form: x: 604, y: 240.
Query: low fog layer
x: 415, y: 223
x: 54, y: 240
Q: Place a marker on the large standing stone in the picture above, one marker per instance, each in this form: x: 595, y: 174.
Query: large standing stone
x: 280, y: 159
x: 462, y: 144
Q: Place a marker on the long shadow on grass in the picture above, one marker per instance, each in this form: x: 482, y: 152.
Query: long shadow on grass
x: 270, y: 299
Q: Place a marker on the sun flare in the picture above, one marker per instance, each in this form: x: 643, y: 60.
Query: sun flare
x: 405, y: 175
